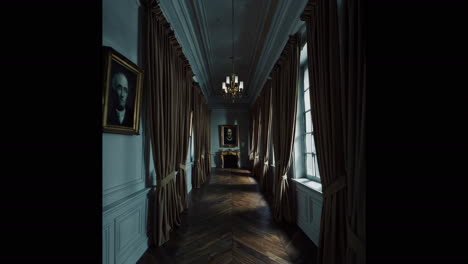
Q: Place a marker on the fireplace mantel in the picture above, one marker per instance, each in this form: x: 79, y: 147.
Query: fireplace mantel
x: 229, y: 152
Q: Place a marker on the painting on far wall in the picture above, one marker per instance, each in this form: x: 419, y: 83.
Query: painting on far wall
x: 229, y: 136
x: 121, y: 94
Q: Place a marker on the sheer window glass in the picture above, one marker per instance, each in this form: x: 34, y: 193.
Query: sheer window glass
x: 191, y: 141
x: 310, y: 154
x: 272, y: 153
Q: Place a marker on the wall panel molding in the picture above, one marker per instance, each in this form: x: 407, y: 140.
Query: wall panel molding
x: 124, y: 224
x: 124, y: 229
x: 125, y: 189
x: 122, y: 185
x: 129, y: 232
x: 309, y: 212
x: 106, y: 242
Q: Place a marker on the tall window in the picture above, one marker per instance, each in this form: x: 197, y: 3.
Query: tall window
x: 305, y: 153
x: 310, y: 152
x: 191, y: 143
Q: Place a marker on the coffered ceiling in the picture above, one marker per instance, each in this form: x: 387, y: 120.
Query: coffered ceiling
x: 204, y: 30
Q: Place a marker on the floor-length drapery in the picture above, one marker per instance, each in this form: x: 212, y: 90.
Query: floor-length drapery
x: 205, y: 140
x: 166, y: 75
x: 263, y: 147
x: 201, y: 119
x: 266, y: 139
x: 197, y: 170
x: 284, y: 100
x: 257, y: 137
x: 207, y: 135
x: 185, y: 108
x: 353, y: 85
x: 337, y: 84
x: 252, y: 132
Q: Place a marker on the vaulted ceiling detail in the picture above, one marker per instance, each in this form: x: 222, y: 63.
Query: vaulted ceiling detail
x: 261, y: 29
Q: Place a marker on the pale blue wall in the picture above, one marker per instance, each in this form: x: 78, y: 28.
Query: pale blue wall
x: 225, y: 116
x: 124, y: 177
x: 122, y: 155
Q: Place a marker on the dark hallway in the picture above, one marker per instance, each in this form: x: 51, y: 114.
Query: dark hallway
x: 229, y: 221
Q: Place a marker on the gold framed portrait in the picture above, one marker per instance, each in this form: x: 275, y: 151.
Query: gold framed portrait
x: 121, y: 94
x: 229, y: 136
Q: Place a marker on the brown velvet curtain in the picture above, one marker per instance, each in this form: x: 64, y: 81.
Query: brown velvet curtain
x: 207, y: 141
x: 253, y: 118
x: 263, y: 147
x: 200, y: 131
x: 251, y: 131
x: 266, y: 136
x: 166, y: 75
x: 185, y: 108
x: 257, y: 137
x: 255, y: 130
x: 197, y: 180
x: 285, y: 80
x: 353, y: 85
x: 338, y: 114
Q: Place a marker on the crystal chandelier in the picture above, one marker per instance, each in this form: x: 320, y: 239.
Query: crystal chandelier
x: 232, y: 87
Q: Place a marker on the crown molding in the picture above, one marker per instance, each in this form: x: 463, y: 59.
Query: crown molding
x: 199, y: 9
x: 277, y: 37
x: 263, y: 29
x: 189, y: 22
x: 178, y: 16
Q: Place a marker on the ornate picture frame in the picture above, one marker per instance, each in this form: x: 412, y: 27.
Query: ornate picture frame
x: 229, y: 136
x: 121, y: 100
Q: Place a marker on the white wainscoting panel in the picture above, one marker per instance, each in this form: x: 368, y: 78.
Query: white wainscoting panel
x: 124, y: 229
x: 106, y: 245
x: 110, y: 196
x: 309, y: 208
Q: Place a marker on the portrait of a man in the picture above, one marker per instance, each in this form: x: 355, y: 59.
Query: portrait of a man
x: 229, y: 136
x: 122, y: 88
x: 120, y: 112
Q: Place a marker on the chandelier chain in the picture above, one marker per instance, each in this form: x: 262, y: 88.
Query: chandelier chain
x: 232, y: 33
x: 232, y: 87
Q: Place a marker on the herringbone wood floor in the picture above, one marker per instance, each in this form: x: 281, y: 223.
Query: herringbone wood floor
x: 229, y: 221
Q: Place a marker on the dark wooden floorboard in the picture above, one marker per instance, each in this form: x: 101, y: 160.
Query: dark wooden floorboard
x: 229, y: 221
